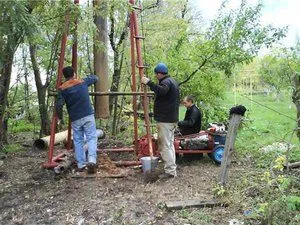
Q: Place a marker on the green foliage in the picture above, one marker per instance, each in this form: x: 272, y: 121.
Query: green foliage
x: 275, y: 72
x: 16, y: 21
x: 280, y: 70
x: 269, y: 196
x: 22, y: 125
x: 219, y: 191
x: 16, y: 98
x: 12, y: 148
x: 237, y: 35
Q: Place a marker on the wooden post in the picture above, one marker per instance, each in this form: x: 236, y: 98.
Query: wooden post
x: 234, y: 124
x: 101, y: 58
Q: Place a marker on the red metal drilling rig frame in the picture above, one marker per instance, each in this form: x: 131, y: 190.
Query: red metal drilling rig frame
x: 143, y: 146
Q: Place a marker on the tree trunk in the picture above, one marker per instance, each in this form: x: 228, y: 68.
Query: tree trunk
x: 5, y: 75
x: 296, y: 100
x: 101, y: 59
x: 26, y: 89
x: 115, y: 79
x: 113, y: 101
x: 41, y: 92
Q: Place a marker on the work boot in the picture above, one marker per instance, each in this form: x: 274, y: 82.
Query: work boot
x: 91, y: 168
x: 81, y: 170
x: 166, y: 176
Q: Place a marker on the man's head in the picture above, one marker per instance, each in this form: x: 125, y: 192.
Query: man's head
x: 188, y: 101
x: 68, y: 72
x: 161, y: 70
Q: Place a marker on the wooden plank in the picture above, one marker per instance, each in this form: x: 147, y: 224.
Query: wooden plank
x: 293, y: 165
x: 183, y: 204
x: 234, y: 124
x: 100, y: 175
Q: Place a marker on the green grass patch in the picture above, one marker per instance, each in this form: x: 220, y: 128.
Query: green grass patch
x: 197, y: 216
x: 12, y: 148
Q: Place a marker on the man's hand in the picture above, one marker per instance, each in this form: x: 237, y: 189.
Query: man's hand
x: 145, y: 80
x: 59, y: 122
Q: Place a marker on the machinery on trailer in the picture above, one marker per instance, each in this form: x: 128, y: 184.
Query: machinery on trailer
x: 210, y: 141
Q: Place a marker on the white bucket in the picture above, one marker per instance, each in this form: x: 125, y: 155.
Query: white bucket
x: 147, y: 164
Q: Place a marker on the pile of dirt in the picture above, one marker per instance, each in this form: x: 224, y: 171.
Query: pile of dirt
x: 107, y: 166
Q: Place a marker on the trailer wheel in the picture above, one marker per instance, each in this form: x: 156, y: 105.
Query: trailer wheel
x: 217, y: 154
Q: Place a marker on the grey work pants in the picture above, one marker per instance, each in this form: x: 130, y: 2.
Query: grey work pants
x: 166, y: 146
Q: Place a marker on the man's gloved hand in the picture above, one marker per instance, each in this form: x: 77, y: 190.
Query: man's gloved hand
x: 60, y: 122
x: 145, y: 80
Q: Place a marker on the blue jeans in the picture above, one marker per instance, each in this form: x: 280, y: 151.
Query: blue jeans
x: 84, y: 129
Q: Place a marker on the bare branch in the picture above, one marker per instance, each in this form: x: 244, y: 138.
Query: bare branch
x: 154, y: 5
x: 196, y: 70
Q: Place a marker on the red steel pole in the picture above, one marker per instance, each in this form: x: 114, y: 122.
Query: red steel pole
x: 74, y: 65
x: 75, y: 43
x: 133, y: 85
x: 141, y: 73
x: 50, y: 162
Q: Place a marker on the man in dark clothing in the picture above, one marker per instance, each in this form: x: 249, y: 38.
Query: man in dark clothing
x: 192, y: 120
x: 166, y: 106
x: 75, y: 94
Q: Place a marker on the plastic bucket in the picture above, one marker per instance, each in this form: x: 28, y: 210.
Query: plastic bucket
x: 147, y: 164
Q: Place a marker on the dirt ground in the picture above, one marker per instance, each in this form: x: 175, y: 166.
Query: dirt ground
x: 31, y: 195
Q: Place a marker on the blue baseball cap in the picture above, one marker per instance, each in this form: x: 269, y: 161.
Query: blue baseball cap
x: 161, y: 68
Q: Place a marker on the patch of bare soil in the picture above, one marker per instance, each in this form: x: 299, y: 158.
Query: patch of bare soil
x: 107, y: 165
x: 32, y: 195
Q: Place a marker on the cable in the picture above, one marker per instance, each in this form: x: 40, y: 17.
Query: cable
x: 267, y: 107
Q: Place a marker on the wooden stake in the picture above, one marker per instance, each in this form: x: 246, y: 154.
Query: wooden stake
x: 234, y: 124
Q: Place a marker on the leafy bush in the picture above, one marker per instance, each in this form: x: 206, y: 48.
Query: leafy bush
x: 21, y: 126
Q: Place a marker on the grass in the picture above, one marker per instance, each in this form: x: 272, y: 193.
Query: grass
x: 264, y: 127
x: 12, y: 148
x: 182, y: 111
x: 195, y: 216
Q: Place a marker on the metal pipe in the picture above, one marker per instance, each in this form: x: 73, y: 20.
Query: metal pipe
x: 133, y: 86
x: 66, y: 163
x: 74, y: 65
x: 53, y: 93
x: 141, y: 73
x: 117, y: 150
x: 54, y: 161
x: 58, y: 83
x: 127, y: 163
x: 186, y: 151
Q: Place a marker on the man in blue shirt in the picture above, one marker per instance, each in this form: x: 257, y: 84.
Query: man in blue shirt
x: 75, y: 94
